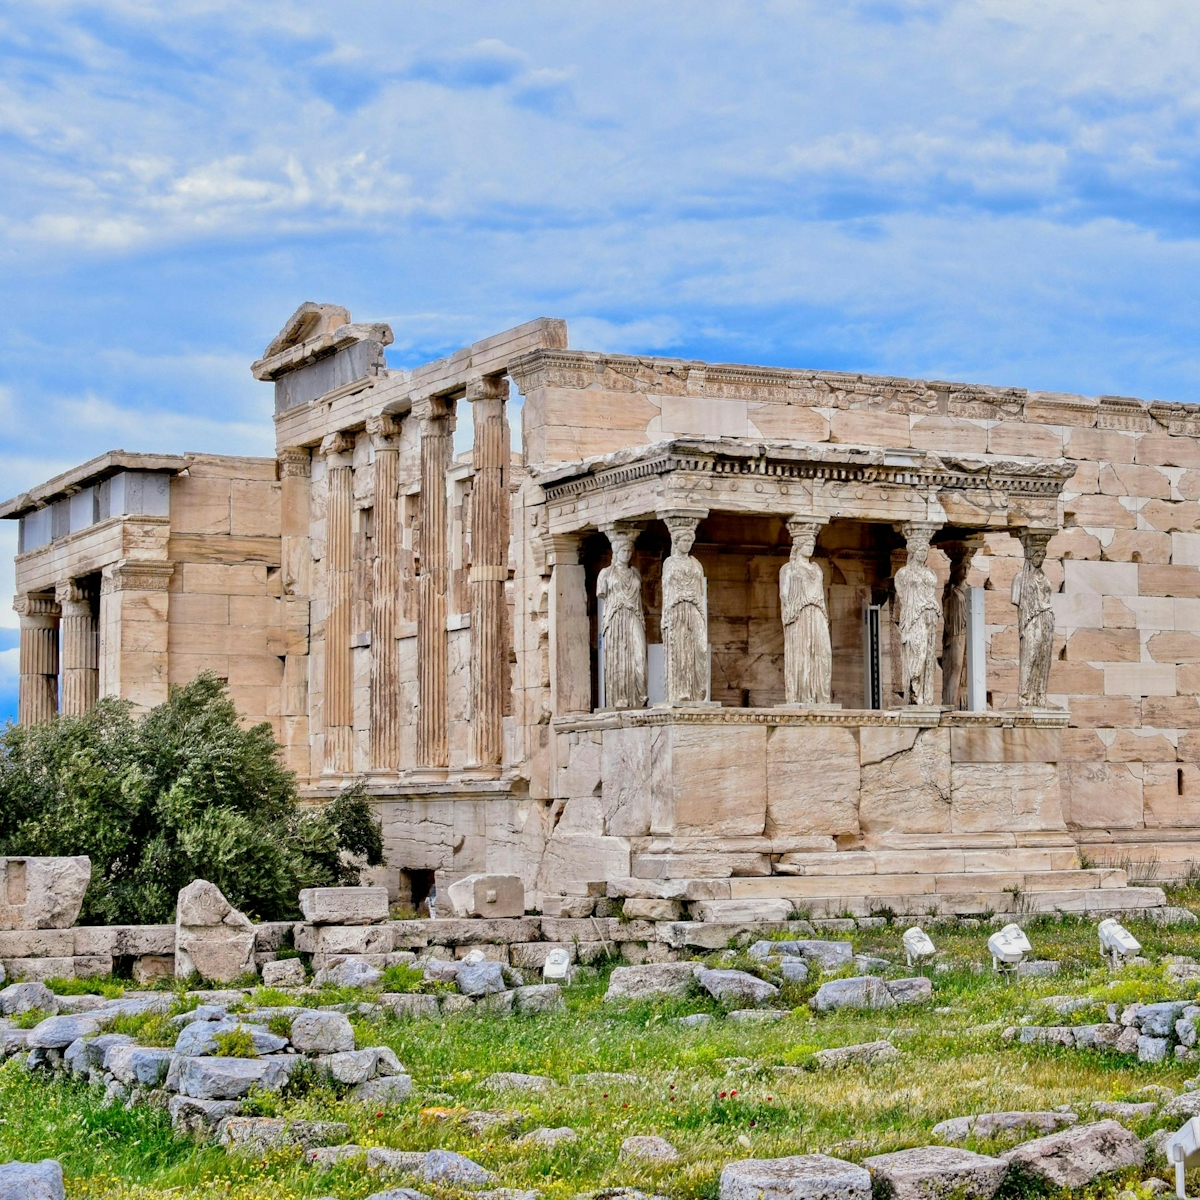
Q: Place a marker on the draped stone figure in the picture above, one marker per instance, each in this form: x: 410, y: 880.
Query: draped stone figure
x: 807, y: 653
x: 1031, y: 592
x: 920, y: 609
x: 955, y: 602
x: 624, y: 625
x: 684, y: 617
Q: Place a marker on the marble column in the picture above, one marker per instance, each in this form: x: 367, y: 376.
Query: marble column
x: 435, y: 414
x: 80, y: 648
x: 295, y: 482
x: 135, y: 623
x: 489, y: 568
x: 338, y: 450
x: 38, y: 686
x: 570, y: 639
x: 385, y: 651
x: 684, y: 613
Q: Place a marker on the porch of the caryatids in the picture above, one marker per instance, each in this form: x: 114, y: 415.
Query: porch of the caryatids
x: 807, y: 649
x: 684, y: 613
x: 920, y: 610
x: 623, y: 628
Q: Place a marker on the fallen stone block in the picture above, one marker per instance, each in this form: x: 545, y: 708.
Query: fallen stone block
x: 741, y: 911
x: 756, y: 1016
x: 986, y: 1125
x: 515, y: 1081
x: 20, y: 998
x: 1158, y: 1020
x: 444, y: 1166
x: 381, y: 1158
x: 232, y: 1078
x: 349, y: 972
x: 831, y: 956
x: 38, y: 970
x: 212, y: 938
x: 323, y: 1157
x: 389, y: 1089
x: 548, y: 1137
x: 1152, y: 1049
x: 650, y: 980
x: 861, y: 991
x: 480, y: 978
x: 350, y: 1066
x: 487, y: 896
x: 57, y: 1033
x: 137, y: 1066
x: 1075, y: 1157
x: 254, y: 1135
x: 802, y: 1177
x: 42, y: 893
x: 794, y: 970
x: 197, y: 1117
x: 936, y: 1173
x: 411, y: 1004
x: 865, y: 1052
x: 539, y: 998
x: 322, y: 1033
x: 32, y: 1181
x: 284, y: 973
x: 1124, y: 1110
x: 916, y: 990
x: 344, y: 905
x: 736, y: 987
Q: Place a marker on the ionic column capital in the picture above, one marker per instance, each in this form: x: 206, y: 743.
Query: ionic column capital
x: 562, y: 549
x: 335, y: 446
x: 384, y: 430
x: 72, y: 599
x: 487, y: 387
x: 432, y: 409
x: 36, y: 609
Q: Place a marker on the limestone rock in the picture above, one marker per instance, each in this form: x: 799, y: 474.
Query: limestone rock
x: 20, y: 998
x: 32, y: 1181
x: 1123, y: 1110
x: 411, y: 1004
x: 861, y: 991
x: 510, y: 1081
x: 548, y: 1137
x: 794, y: 970
x: 231, y: 1078
x: 916, y: 990
x: 349, y: 973
x: 987, y: 1125
x: 736, y: 987
x: 748, y: 911
x: 42, y: 893
x: 650, y: 979
x: 480, y: 978
x: 831, y: 956
x: 381, y: 1158
x: 936, y: 1172
x: 487, y: 896
x: 402, y: 1193
x: 254, y: 1135
x: 284, y: 973
x: 199, y: 1118
x: 1158, y: 1020
x: 1074, y: 1157
x: 802, y: 1177
x: 865, y: 1052
x: 324, y: 1157
x: 539, y: 998
x: 351, y: 1066
x: 391, y: 1089
x: 322, y: 1033
x: 212, y: 938
x: 648, y: 1148
x: 137, y: 1066
x: 756, y: 1016
x: 344, y: 905
x: 57, y: 1033
x: 444, y: 1166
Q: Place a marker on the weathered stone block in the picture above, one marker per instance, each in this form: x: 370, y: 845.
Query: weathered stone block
x: 803, y: 1177
x: 936, y: 1172
x: 487, y: 896
x: 32, y: 1181
x: 1075, y: 1157
x: 42, y: 893
x: 344, y: 906
x: 211, y: 937
x: 812, y: 781
x: 651, y: 979
x: 906, y: 785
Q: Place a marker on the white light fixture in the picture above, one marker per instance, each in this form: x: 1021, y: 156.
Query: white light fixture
x: 557, y: 967
x: 918, y: 945
x: 1117, y: 942
x: 1183, y: 1149
x: 1008, y: 947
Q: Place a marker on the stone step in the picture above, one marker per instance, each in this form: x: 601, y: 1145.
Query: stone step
x: 920, y: 862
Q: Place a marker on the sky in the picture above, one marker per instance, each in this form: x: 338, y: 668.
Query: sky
x: 996, y: 191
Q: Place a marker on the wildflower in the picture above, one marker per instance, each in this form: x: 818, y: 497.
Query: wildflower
x: 733, y: 1093
x: 720, y: 1095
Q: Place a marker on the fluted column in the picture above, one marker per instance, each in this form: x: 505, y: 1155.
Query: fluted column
x: 38, y: 687
x: 80, y: 648
x: 385, y: 652
x: 437, y: 431
x: 338, y: 449
x: 489, y: 568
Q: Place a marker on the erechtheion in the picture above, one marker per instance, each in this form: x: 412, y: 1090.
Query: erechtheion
x: 740, y: 635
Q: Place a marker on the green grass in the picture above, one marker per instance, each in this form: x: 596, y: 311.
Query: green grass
x: 718, y: 1092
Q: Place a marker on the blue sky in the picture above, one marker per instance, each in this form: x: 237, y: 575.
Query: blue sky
x: 1000, y: 191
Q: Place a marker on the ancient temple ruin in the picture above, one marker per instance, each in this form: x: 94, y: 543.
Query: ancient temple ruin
x: 751, y: 638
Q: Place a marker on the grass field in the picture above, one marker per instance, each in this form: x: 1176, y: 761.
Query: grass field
x: 717, y: 1092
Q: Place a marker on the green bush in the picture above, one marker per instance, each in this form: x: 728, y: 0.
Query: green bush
x: 184, y: 792
x: 237, y: 1043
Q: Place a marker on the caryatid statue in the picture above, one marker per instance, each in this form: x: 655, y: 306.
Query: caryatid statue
x: 624, y: 624
x: 807, y: 653
x: 955, y: 603
x: 1031, y: 592
x: 684, y: 616
x: 920, y: 610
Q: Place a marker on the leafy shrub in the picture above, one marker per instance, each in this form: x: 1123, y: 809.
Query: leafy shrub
x: 109, y: 988
x: 184, y: 792
x: 237, y: 1043
x: 150, y: 1029
x: 402, y: 978
x: 29, y: 1018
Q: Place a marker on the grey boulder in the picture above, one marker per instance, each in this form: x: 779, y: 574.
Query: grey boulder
x: 861, y: 991
x: 1158, y: 1020
x: 252, y: 1135
x: 916, y: 990
x: 650, y: 980
x: 388, y: 1089
x: 987, y: 1125
x: 135, y: 1066
x: 351, y: 1066
x: 322, y: 1033
x: 480, y: 979
x: 736, y: 987
x: 232, y: 1078
x: 864, y: 1052
x: 31, y: 1181
x: 538, y: 998
x: 199, y: 1118
x: 515, y: 1081
x: 1074, y: 1157
x: 20, y: 998
x: 801, y: 1177
x: 57, y: 1033
x: 444, y: 1166
x: 349, y: 973
x: 935, y: 1173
